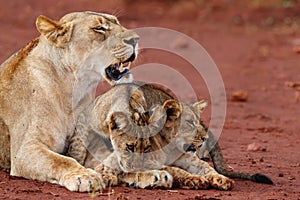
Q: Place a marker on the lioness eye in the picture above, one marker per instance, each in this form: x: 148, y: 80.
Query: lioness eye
x: 100, y: 29
x: 130, y: 147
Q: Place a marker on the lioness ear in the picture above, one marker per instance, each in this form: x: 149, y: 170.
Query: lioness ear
x: 173, y: 109
x: 119, y: 121
x: 57, y: 33
x: 199, y: 106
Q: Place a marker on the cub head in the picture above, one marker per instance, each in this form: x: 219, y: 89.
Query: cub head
x: 185, y: 128
x: 131, y: 142
x: 140, y: 146
x: 89, y: 42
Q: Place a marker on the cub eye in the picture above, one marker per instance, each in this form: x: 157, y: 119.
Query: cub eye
x: 203, y: 138
x: 130, y: 147
x: 147, y: 149
x: 191, y: 123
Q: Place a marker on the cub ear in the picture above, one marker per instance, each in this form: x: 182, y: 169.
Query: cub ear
x: 157, y: 119
x: 57, y: 33
x: 137, y: 101
x: 173, y: 109
x: 119, y: 121
x: 199, y: 106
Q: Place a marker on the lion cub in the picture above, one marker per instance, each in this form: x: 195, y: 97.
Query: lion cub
x: 157, y: 139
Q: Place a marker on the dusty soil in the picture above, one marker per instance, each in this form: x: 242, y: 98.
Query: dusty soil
x: 255, y: 44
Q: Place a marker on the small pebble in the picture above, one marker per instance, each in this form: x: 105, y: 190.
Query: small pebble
x: 296, y: 49
x: 256, y: 147
x: 240, y: 95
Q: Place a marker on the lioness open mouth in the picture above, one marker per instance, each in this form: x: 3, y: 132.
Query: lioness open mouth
x: 117, y: 70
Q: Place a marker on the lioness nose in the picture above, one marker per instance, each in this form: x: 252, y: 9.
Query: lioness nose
x: 132, y: 41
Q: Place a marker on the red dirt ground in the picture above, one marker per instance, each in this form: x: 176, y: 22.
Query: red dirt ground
x: 256, y: 46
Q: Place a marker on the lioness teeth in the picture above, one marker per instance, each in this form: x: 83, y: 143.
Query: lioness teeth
x: 128, y: 66
x: 118, y: 70
x: 121, y: 67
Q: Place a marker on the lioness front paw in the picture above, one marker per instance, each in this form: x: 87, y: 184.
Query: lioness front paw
x: 83, y: 180
x: 221, y: 182
x: 194, y: 182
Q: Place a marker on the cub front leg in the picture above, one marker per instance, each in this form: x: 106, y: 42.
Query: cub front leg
x: 34, y: 161
x: 194, y: 165
x: 186, y: 180
x: 219, y: 181
x: 145, y: 179
x: 109, y: 175
x: 77, y: 148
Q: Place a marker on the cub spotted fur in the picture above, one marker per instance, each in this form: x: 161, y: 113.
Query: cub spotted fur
x: 210, y: 145
x: 47, y: 84
x: 155, y: 140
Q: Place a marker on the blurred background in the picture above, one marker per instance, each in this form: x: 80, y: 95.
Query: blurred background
x: 235, y: 33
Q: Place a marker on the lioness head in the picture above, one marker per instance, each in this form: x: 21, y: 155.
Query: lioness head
x: 141, y: 147
x: 90, y: 41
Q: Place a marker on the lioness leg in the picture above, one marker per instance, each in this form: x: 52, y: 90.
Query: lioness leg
x: 53, y: 167
x: 4, y: 146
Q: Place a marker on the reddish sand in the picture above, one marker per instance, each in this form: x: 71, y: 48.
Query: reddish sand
x: 256, y: 48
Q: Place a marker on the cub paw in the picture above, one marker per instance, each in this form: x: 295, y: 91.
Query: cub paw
x: 194, y: 182
x: 160, y: 179
x: 148, y: 179
x: 221, y: 182
x: 109, y: 176
x: 83, y: 180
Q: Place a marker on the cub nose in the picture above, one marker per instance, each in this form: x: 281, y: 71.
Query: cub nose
x: 131, y: 41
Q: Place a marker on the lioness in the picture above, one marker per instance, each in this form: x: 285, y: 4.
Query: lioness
x: 45, y: 86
